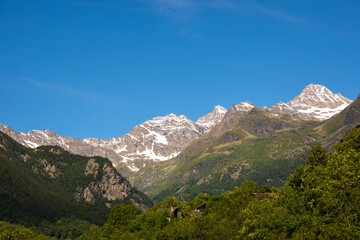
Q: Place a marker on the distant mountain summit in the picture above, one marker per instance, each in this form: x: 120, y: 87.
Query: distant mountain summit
x: 244, y: 106
x: 315, y: 102
x: 211, y: 119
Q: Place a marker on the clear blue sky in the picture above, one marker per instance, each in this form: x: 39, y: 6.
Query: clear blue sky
x: 97, y: 68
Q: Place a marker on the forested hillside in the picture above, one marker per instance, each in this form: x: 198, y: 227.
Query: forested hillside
x: 58, y: 193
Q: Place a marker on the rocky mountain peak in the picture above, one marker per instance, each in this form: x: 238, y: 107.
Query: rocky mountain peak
x: 219, y: 109
x: 209, y: 120
x: 320, y: 96
x: 244, y: 106
x: 315, y: 102
x: 4, y: 126
x: 170, y: 119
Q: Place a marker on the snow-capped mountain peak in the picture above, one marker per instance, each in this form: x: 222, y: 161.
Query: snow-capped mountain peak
x: 171, y: 119
x: 319, y: 96
x: 209, y: 120
x: 244, y: 106
x: 315, y: 102
x: 220, y: 109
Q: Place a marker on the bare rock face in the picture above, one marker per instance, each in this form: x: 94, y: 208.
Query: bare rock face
x: 315, y: 102
x: 88, y: 196
x: 103, y: 181
x: 112, y: 186
x: 25, y: 157
x: 45, y: 167
x: 92, y: 168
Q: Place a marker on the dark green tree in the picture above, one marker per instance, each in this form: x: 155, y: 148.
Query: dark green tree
x: 317, y: 156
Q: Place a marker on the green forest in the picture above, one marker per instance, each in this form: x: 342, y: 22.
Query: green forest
x: 320, y: 200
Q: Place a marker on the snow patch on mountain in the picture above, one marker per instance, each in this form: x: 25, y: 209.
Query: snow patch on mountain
x: 323, y: 113
x: 31, y: 144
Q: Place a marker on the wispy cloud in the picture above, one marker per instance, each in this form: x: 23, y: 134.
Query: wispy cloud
x: 181, y: 10
x: 177, y: 10
x: 96, y: 4
x: 272, y: 12
x: 64, y: 90
x: 220, y: 4
x: 184, y: 10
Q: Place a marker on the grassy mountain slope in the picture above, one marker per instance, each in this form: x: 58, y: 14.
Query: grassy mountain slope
x: 259, y: 146
x: 336, y: 127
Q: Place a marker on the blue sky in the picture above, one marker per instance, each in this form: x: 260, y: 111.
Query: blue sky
x: 97, y: 68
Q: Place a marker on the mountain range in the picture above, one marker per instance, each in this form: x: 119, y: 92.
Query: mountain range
x: 257, y: 144
x: 154, y: 140
x: 163, y: 138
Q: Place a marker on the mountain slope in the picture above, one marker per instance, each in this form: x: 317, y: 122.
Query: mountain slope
x: 258, y: 145
x: 340, y: 124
